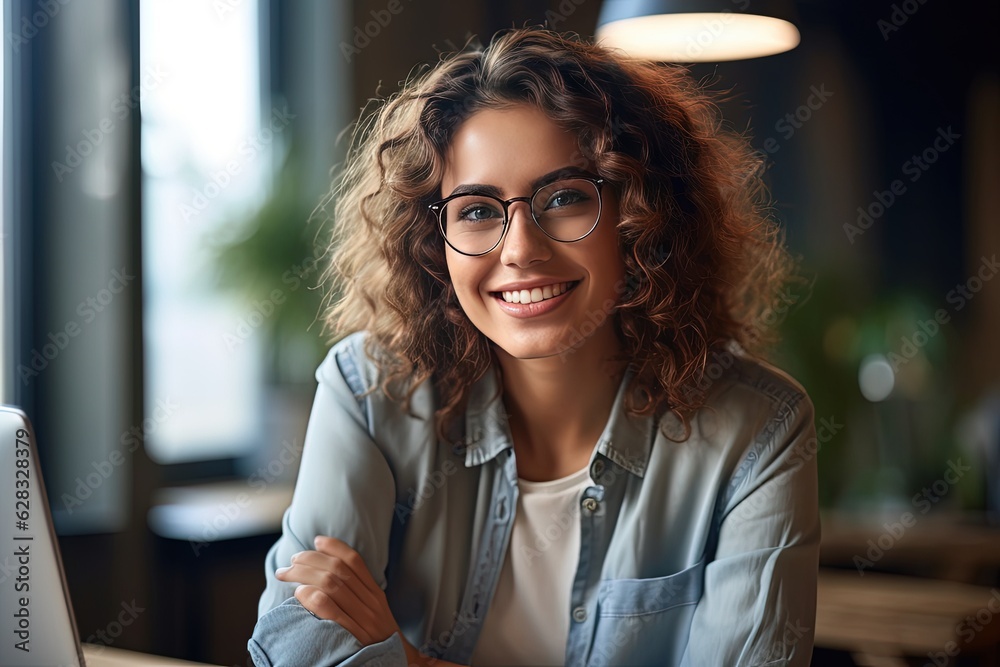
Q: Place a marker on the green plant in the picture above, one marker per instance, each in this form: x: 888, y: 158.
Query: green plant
x: 273, y: 258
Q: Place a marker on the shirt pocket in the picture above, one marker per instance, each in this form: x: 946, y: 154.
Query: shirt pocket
x: 646, y: 621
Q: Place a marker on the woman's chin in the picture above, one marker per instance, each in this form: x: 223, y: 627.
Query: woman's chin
x: 566, y: 344
x: 533, y: 349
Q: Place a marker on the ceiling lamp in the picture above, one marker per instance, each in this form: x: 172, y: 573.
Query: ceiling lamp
x: 697, y: 31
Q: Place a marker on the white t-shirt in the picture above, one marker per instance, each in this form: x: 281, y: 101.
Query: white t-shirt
x: 528, y: 619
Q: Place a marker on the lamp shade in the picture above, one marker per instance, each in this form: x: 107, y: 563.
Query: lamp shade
x: 697, y: 31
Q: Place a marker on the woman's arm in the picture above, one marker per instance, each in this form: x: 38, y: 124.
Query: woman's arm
x: 759, y: 600
x: 345, y: 489
x: 337, y: 586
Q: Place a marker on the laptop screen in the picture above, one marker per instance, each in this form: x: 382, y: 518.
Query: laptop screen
x: 36, y: 619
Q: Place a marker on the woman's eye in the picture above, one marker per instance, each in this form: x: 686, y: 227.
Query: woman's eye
x: 565, y: 198
x: 478, y: 213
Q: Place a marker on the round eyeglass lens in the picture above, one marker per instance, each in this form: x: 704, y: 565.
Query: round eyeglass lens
x: 567, y: 210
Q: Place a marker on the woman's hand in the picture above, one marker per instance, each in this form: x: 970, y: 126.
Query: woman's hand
x: 336, y: 586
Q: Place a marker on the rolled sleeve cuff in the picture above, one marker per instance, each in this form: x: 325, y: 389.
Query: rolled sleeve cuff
x: 290, y: 635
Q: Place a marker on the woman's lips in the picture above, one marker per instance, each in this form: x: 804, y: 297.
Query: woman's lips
x: 539, y: 307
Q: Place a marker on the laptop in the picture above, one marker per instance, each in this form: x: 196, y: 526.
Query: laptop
x: 37, y: 626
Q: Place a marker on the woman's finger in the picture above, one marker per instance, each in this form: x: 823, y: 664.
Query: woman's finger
x: 343, y: 575
x: 333, y: 588
x: 320, y: 604
x: 339, y: 573
x: 340, y: 549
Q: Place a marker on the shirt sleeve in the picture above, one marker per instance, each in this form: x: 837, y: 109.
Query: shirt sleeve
x: 758, y: 607
x: 345, y: 489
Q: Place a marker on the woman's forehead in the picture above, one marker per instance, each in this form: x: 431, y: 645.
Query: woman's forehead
x: 509, y: 148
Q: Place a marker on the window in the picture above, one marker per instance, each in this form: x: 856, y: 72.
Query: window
x: 207, y: 159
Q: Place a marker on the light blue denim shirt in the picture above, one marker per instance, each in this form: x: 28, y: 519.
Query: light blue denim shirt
x: 696, y: 553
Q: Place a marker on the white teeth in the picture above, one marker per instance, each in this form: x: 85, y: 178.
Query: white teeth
x: 536, y: 294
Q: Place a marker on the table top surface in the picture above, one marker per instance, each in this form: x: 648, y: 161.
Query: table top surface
x: 97, y: 655
x: 900, y: 615
x: 955, y: 546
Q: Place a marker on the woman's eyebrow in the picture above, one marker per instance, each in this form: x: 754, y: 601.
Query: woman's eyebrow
x: 568, y: 171
x: 477, y: 189
x: 543, y: 180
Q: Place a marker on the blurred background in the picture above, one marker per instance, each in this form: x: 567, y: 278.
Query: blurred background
x: 165, y: 166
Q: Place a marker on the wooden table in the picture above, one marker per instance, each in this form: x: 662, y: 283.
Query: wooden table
x: 107, y: 656
x: 960, y: 547
x: 881, y: 618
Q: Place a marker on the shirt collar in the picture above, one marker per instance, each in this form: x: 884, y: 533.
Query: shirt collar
x: 626, y: 439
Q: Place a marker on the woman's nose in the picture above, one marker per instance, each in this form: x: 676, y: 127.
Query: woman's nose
x: 525, y: 243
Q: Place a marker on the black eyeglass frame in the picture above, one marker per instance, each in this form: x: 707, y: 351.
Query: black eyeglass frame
x: 439, y: 206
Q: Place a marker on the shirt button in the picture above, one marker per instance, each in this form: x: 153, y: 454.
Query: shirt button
x: 580, y: 614
x: 501, y: 512
x: 597, y: 469
x: 589, y: 504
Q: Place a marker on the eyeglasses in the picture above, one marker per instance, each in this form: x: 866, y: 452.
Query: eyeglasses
x: 566, y: 211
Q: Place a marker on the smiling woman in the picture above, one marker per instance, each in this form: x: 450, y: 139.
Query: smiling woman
x: 509, y: 148
x: 521, y: 454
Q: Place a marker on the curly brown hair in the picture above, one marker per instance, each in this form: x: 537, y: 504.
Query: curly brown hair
x: 704, y: 260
